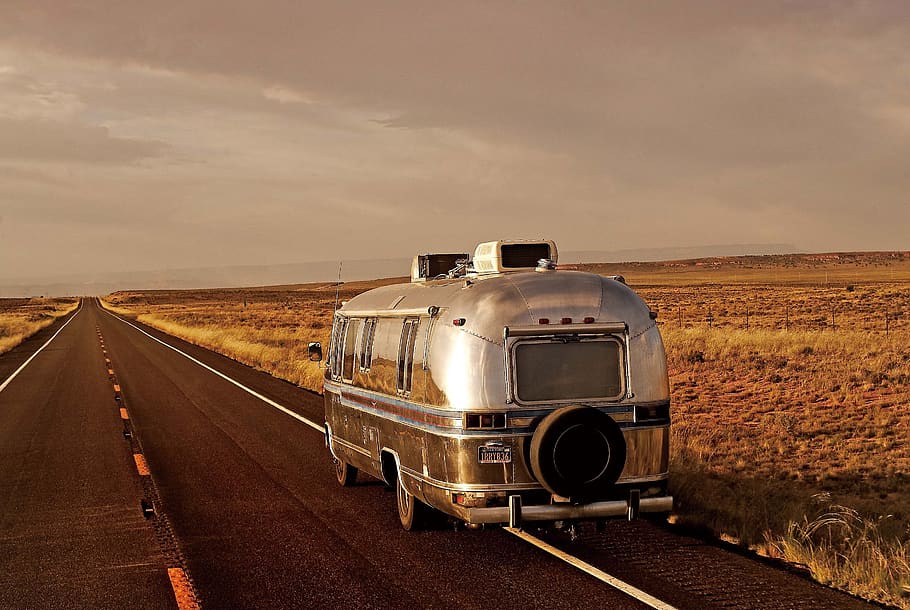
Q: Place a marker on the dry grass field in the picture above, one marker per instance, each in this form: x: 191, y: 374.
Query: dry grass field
x: 789, y: 382
x: 22, y: 318
x: 266, y: 328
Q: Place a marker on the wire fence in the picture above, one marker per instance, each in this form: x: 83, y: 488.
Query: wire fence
x: 882, y: 309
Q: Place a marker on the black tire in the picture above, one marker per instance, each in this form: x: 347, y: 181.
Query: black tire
x: 344, y: 472
x: 577, y: 452
x: 412, y: 513
x: 658, y: 518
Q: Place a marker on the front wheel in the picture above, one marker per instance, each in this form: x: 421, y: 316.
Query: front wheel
x: 344, y: 472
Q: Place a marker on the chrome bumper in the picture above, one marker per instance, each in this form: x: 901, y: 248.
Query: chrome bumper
x: 558, y: 512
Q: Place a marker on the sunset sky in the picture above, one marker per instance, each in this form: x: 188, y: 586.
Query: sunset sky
x: 154, y: 135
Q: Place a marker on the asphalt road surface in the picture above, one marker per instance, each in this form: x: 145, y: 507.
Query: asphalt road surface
x: 133, y: 477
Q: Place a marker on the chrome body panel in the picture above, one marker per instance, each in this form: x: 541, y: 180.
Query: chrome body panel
x: 463, y: 370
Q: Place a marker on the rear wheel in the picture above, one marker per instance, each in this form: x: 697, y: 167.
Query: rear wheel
x: 412, y: 513
x: 660, y: 518
x: 344, y: 472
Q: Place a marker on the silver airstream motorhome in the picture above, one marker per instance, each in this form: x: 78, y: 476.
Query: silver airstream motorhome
x: 496, y: 388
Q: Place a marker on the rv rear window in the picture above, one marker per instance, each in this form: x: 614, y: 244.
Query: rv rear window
x: 552, y: 371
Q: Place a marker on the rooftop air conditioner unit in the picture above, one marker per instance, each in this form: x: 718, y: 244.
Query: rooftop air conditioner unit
x: 431, y: 266
x: 513, y: 255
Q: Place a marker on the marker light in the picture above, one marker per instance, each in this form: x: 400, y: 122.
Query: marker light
x: 589, y: 320
x: 566, y: 321
x: 543, y: 321
x: 458, y: 321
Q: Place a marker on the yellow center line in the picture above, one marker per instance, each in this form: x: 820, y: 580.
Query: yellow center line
x: 186, y: 599
x: 124, y: 414
x: 141, y: 465
x: 110, y: 371
x: 116, y: 388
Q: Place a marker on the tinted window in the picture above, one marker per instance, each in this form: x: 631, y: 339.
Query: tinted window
x: 336, y: 351
x: 406, y: 354
x: 366, y: 344
x: 576, y: 370
x: 350, y: 338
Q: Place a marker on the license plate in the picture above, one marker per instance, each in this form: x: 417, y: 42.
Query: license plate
x: 494, y: 455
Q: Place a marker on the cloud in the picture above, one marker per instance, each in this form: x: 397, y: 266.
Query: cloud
x: 283, y: 95
x: 251, y: 125
x: 24, y: 97
x: 52, y: 141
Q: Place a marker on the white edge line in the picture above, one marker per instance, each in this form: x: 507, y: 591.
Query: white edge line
x: 623, y: 586
x: 32, y: 357
x: 252, y: 392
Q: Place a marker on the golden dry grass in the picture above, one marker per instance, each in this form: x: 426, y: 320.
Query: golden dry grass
x: 786, y: 393
x: 789, y: 383
x: 847, y: 550
x: 266, y: 328
x: 22, y: 318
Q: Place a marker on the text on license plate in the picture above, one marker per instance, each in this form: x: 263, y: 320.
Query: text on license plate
x: 494, y: 455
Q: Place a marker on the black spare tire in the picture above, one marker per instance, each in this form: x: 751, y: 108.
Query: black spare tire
x: 577, y: 452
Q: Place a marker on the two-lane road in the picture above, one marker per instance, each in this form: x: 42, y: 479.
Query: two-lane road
x: 71, y: 531
x: 246, y: 504
x: 248, y: 493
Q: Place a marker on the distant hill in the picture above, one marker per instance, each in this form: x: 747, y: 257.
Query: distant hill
x: 668, y: 254
x: 205, y: 277
x: 325, y: 271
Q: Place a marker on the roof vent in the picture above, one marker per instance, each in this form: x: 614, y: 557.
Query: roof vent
x: 437, y: 266
x: 512, y: 255
x: 546, y: 264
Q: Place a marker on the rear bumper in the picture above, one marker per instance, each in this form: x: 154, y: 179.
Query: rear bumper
x: 559, y: 512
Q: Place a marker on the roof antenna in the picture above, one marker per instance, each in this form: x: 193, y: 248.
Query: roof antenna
x: 335, y: 310
x: 337, y: 287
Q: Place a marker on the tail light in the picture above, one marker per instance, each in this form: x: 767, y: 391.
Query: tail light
x: 484, y: 421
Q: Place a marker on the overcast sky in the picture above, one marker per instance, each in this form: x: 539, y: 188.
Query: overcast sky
x: 152, y: 135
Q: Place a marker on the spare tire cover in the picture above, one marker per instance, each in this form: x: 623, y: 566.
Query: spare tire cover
x: 577, y: 452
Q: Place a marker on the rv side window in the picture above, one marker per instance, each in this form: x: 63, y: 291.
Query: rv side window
x: 350, y: 338
x: 337, y: 339
x: 366, y: 344
x: 406, y: 354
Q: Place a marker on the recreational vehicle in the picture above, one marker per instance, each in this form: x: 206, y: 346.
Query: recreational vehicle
x: 499, y: 388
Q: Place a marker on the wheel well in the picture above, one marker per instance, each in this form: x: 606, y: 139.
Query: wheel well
x: 388, y: 462
x: 328, y: 441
